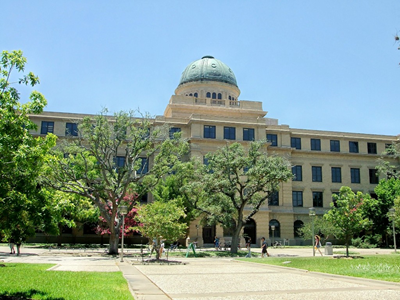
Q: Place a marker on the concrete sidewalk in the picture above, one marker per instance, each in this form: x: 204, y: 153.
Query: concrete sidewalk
x: 218, y: 278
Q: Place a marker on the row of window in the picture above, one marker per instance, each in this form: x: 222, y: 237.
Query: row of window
x: 229, y: 133
x: 315, y: 144
x: 336, y: 174
x: 297, y: 199
x: 71, y: 129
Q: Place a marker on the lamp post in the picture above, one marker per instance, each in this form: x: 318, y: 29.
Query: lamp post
x: 392, y: 213
x: 273, y: 234
x: 311, y: 213
x: 123, y: 210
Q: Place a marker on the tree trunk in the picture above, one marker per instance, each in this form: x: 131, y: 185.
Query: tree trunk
x: 347, y: 247
x: 113, y: 244
x: 60, y: 227
x: 114, y: 239
x: 236, y: 238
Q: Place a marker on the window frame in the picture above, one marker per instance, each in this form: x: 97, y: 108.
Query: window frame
x: 316, y: 172
x: 318, y: 201
x: 372, y: 148
x: 297, y: 198
x: 315, y: 144
x: 71, y: 131
x: 295, y: 170
x: 47, y: 127
x: 273, y: 139
x: 336, y: 173
x: 295, y: 142
x: 229, y: 133
x: 248, y: 134
x: 335, y: 145
x: 209, y: 132
x: 355, y: 175
x: 353, y: 147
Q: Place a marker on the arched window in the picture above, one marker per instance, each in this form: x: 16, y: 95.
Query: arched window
x: 190, y: 94
x: 196, y: 95
x: 277, y: 230
x: 297, y: 225
x: 214, y: 95
x: 208, y: 95
x: 219, y: 96
x: 230, y: 98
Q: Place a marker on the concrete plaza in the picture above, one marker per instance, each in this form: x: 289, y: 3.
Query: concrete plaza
x: 217, y: 278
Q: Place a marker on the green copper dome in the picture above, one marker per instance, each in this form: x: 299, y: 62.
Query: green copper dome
x: 208, y: 69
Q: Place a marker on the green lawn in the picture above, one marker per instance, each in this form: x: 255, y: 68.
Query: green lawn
x: 382, y: 267
x: 32, y: 281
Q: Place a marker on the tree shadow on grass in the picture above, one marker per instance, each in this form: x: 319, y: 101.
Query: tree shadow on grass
x: 27, y: 295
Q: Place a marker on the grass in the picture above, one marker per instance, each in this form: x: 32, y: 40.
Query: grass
x: 381, y: 267
x: 32, y: 281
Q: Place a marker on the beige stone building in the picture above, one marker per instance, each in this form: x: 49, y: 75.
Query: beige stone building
x: 208, y: 111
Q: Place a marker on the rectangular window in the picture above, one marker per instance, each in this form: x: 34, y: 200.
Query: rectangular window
x: 317, y: 174
x: 119, y: 161
x: 335, y: 146
x: 316, y: 144
x: 295, y: 143
x: 317, y: 199
x: 209, y: 132
x: 297, y: 198
x: 297, y: 173
x: 229, y: 133
x: 353, y: 147
x: 172, y: 132
x: 248, y: 134
x: 273, y: 139
x: 336, y: 174
x: 47, y: 127
x: 373, y: 176
x: 206, y: 163
x: 355, y: 175
x: 371, y: 147
x: 144, y: 166
x: 273, y: 200
x: 71, y: 129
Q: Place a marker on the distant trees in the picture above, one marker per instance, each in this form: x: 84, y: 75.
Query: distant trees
x: 110, y: 158
x: 233, y: 184
x: 24, y: 208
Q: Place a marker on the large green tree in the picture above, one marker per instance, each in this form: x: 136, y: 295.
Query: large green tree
x: 347, y: 214
x: 234, y: 183
x: 23, y: 206
x: 111, y: 158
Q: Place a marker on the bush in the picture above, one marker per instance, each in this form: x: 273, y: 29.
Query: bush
x: 362, y: 243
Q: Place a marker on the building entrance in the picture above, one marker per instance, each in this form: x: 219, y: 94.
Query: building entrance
x: 250, y: 231
x: 208, y: 234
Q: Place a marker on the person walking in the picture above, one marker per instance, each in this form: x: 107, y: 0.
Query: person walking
x: 216, y: 243
x: 264, y: 247
x: 248, y: 246
x: 318, y: 244
x: 11, y: 244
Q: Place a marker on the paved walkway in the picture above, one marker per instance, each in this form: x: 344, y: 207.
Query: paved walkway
x: 218, y: 278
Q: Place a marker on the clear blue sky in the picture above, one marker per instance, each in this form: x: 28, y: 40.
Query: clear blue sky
x: 327, y: 65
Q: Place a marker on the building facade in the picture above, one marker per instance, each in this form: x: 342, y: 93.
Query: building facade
x: 207, y: 110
